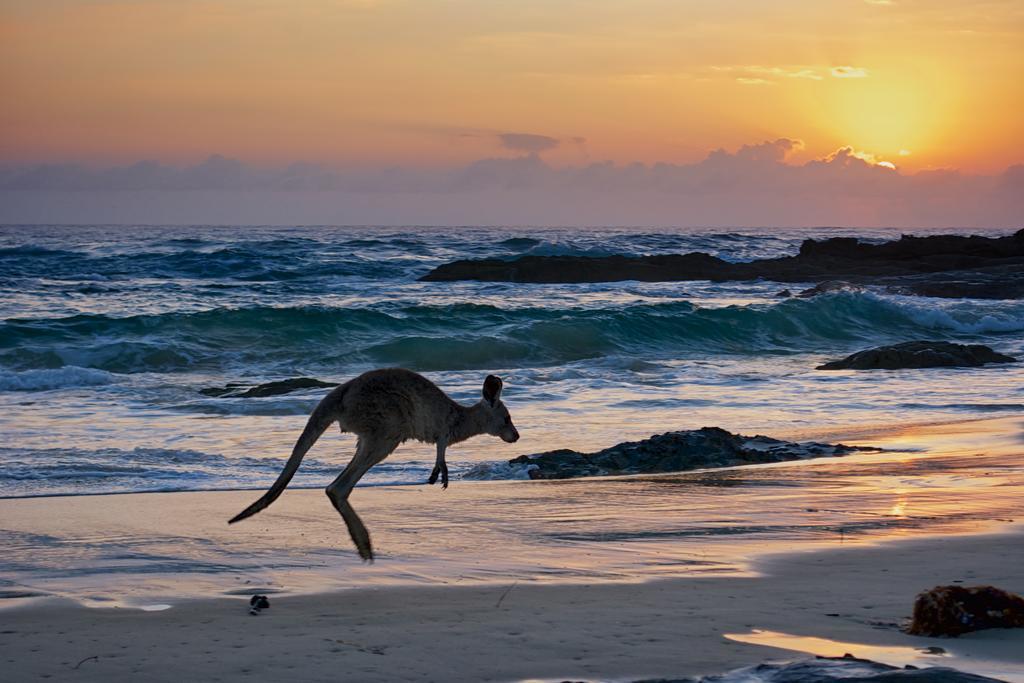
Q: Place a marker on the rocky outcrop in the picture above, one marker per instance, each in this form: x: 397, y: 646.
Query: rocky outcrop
x: 238, y: 390
x: 975, y: 266
x: 955, y: 610
x: 674, y: 452
x: 919, y: 354
x: 848, y: 669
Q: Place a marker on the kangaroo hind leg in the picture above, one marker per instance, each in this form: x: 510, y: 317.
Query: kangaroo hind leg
x: 369, y: 452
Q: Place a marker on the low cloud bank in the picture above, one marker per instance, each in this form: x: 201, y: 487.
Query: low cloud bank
x: 752, y: 186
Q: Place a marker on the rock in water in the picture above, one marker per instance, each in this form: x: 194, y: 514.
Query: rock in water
x: 680, y: 451
x: 953, y: 610
x: 919, y: 354
x: 285, y: 386
x: 231, y: 389
x: 829, y: 286
x: 939, y: 265
x: 823, y: 669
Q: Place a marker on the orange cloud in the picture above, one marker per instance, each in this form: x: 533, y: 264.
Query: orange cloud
x: 849, y: 72
x: 527, y: 142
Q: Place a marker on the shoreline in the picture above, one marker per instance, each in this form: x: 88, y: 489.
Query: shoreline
x: 855, y: 596
x: 139, y: 548
x: 860, y: 434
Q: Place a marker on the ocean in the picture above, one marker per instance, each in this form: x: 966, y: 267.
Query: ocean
x: 109, y: 334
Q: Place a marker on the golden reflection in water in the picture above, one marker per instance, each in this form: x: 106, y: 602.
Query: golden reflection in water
x: 922, y: 656
x: 899, y: 508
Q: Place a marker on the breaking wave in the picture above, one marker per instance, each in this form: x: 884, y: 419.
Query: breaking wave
x: 71, y: 471
x: 57, y: 378
x: 472, y: 336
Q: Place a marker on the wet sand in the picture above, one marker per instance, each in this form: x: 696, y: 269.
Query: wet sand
x: 523, y: 631
x: 596, y: 579
x: 143, y: 548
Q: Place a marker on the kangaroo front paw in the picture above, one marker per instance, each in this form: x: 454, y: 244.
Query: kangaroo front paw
x: 433, y: 476
x: 444, y: 476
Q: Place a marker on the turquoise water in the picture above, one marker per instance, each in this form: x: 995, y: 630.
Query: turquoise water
x: 108, y: 334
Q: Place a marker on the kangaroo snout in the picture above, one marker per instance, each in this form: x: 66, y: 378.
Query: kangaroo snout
x: 510, y: 436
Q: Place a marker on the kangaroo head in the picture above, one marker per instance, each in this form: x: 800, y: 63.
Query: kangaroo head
x: 499, y: 422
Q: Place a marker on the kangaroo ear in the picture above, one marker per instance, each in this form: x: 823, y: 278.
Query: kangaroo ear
x: 492, y: 389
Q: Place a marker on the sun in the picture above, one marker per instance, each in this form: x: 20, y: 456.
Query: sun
x: 887, y: 117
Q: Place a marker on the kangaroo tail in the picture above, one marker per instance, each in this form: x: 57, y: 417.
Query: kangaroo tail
x: 322, y: 417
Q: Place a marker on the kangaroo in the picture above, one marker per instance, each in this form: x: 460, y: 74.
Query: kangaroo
x: 385, y: 408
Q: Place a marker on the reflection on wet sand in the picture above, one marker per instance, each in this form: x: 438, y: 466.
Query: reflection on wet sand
x: 135, y: 548
x: 921, y: 657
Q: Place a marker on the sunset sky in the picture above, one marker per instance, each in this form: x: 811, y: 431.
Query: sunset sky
x: 439, y: 84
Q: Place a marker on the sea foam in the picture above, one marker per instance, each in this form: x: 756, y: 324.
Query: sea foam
x: 54, y: 378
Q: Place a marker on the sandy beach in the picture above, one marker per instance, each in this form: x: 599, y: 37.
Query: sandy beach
x: 677, y: 575
x: 856, y: 595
